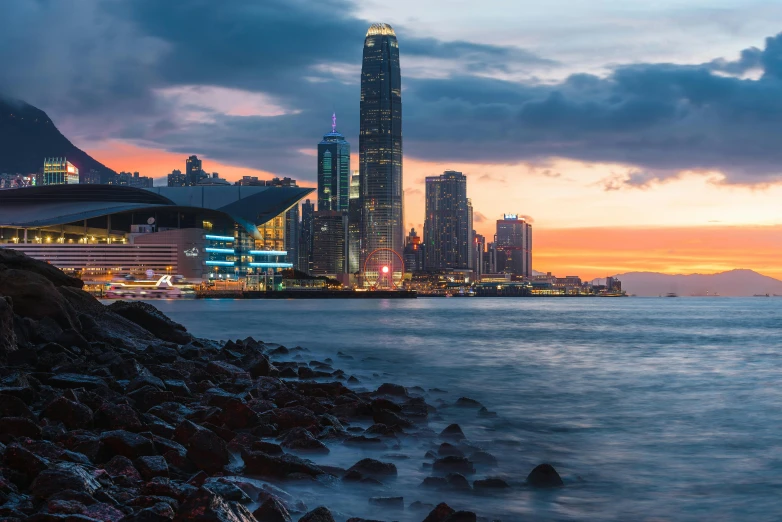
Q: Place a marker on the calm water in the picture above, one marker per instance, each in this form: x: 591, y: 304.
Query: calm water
x: 651, y: 409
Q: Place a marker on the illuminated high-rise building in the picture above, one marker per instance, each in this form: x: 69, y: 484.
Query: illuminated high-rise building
x: 513, y: 244
x: 59, y: 171
x: 333, y: 171
x: 380, y: 146
x: 354, y: 224
x: 447, y: 230
x: 193, y: 171
x: 305, y: 236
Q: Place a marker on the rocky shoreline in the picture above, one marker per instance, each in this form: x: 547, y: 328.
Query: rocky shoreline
x: 112, y: 413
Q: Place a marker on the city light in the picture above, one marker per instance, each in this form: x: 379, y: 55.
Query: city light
x: 385, y: 269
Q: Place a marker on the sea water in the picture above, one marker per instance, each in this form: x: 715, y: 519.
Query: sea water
x: 650, y: 408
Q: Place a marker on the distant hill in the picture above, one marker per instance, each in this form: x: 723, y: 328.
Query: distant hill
x: 731, y: 283
x: 28, y: 135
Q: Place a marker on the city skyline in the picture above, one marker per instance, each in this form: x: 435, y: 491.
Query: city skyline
x: 589, y: 179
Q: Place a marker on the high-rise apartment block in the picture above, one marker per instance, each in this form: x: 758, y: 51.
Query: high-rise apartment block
x: 193, y: 171
x: 330, y: 243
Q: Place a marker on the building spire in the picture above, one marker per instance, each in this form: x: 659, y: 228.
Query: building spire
x: 334, y: 122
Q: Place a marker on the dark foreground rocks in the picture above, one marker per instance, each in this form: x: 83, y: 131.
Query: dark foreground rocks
x: 116, y: 413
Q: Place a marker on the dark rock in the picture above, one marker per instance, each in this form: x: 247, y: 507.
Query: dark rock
x: 120, y: 466
x: 454, y: 432
x: 204, y: 447
x: 272, y: 510
x: 449, y: 450
x: 416, y: 407
x: 420, y: 506
x: 364, y: 442
x: 226, y: 489
x: 71, y: 413
x: 483, y: 412
x: 34, y: 296
x: 12, y: 406
x: 177, y: 387
x: 152, y: 320
x: 462, y: 516
x: 159, y: 512
x: 14, y: 259
x: 490, y: 483
x: 544, y: 476
x: 259, y: 463
x: 440, y: 513
x: 7, y: 332
x: 76, y: 380
x: 267, y: 447
x: 288, y: 418
x: 151, y: 467
x: 63, y: 476
x: 457, y: 481
x: 18, y: 427
x: 301, y: 440
x: 389, y: 418
x: 204, y: 505
x: 374, y: 468
x: 104, y: 512
x: 483, y: 458
x: 26, y: 463
x: 388, y: 502
x: 466, y: 402
x: 127, y: 444
x: 320, y: 514
x: 238, y: 415
x: 453, y: 464
x: 392, y: 389
x: 164, y: 487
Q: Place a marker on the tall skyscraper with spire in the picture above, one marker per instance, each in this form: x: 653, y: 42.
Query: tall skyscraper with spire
x: 380, y: 145
x: 333, y: 171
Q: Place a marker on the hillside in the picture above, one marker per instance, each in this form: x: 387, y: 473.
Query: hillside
x: 731, y: 283
x: 28, y: 135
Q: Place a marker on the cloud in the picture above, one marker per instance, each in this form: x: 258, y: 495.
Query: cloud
x: 253, y: 84
x: 479, y: 217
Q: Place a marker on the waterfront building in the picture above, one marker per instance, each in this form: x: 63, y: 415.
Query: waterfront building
x: 193, y: 171
x: 447, y: 229
x: 354, y: 224
x: 292, y: 234
x: 333, y: 171
x: 470, y: 237
x: 59, y: 171
x: 101, y: 231
x: 176, y: 179
x: 330, y: 243
x: 414, y: 252
x: 478, y: 249
x: 305, y: 237
x: 128, y: 179
x: 380, y: 148
x: 91, y: 177
x: 513, y: 243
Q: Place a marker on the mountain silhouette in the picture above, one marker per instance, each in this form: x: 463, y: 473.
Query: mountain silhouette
x: 28, y: 135
x: 734, y: 283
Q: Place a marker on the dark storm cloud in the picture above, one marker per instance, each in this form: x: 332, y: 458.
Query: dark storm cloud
x: 105, y: 75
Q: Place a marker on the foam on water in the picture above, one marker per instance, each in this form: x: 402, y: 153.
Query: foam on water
x: 651, y: 409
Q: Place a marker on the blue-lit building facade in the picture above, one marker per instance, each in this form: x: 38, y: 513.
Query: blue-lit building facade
x: 333, y: 171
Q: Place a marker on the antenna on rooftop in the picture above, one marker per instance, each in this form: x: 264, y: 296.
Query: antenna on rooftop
x: 334, y: 122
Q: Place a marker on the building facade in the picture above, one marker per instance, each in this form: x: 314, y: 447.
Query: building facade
x: 380, y: 146
x: 414, y: 252
x: 447, y: 229
x: 513, y: 243
x: 333, y: 171
x: 176, y: 179
x: 59, y: 171
x: 305, y: 236
x: 193, y: 171
x: 330, y: 243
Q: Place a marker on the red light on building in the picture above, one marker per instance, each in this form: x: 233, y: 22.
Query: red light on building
x: 385, y: 269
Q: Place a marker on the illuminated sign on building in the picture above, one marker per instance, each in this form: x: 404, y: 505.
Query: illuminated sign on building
x: 191, y: 252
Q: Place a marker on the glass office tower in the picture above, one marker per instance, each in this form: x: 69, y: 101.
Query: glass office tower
x: 380, y: 146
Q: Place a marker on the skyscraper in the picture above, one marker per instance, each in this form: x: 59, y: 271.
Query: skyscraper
x: 59, y: 171
x: 333, y: 170
x: 193, y: 170
x: 513, y: 243
x: 329, y: 243
x: 380, y: 145
x: 447, y: 229
x: 305, y: 236
x: 354, y: 224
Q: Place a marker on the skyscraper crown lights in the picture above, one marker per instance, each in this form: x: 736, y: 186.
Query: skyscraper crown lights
x: 380, y: 29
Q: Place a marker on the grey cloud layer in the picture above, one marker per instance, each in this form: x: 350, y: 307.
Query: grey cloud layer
x: 99, y: 79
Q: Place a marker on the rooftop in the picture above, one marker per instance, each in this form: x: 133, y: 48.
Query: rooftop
x: 380, y: 29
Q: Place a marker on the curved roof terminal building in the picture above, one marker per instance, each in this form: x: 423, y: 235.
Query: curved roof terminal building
x: 99, y: 231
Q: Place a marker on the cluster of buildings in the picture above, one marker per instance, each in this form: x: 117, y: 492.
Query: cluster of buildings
x: 200, y: 226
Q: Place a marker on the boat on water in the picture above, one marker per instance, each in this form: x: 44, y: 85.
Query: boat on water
x: 671, y: 294
x: 761, y: 295
x: 163, y: 288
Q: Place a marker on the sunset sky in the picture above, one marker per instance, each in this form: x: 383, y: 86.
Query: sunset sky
x: 636, y: 135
